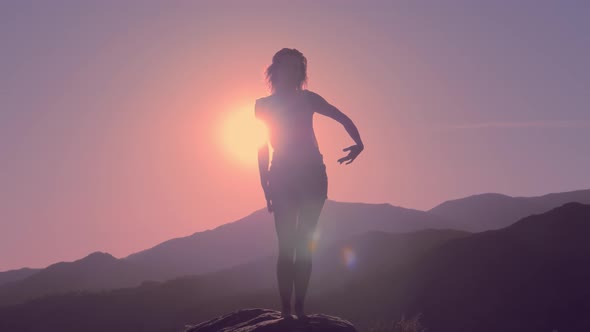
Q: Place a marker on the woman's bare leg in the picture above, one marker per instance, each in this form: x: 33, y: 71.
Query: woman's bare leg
x: 309, y: 214
x: 285, y: 215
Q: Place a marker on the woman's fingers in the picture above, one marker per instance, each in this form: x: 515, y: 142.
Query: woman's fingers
x: 343, y: 159
x: 351, y: 155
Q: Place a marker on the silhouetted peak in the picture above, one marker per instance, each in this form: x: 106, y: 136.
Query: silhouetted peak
x: 572, y: 206
x: 343, y: 203
x: 267, y: 320
x: 489, y: 195
x: 568, y: 215
x: 99, y: 256
x: 473, y: 199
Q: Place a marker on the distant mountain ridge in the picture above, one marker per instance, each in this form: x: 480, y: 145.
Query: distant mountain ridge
x: 96, y: 271
x: 231, y: 244
x: 14, y: 275
x: 483, y: 212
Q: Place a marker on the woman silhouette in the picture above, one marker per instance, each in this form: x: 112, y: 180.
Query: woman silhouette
x: 296, y: 185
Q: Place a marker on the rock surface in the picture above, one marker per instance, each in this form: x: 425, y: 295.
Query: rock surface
x: 267, y: 320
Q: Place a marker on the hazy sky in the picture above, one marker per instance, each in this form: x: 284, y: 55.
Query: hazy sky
x: 114, y: 114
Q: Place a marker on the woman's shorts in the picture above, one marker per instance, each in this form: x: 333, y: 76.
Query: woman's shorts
x: 297, y: 182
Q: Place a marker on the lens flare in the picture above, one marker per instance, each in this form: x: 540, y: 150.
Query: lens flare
x: 313, y: 243
x: 348, y: 257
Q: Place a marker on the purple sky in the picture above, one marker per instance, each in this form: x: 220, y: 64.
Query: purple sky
x: 110, y: 111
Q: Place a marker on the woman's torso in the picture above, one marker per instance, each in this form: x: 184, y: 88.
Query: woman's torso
x: 290, y: 127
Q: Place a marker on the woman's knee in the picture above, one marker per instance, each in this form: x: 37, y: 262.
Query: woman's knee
x: 286, y: 252
x: 304, y: 248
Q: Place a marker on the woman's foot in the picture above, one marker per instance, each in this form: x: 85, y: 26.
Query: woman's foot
x: 286, y: 313
x: 299, y: 311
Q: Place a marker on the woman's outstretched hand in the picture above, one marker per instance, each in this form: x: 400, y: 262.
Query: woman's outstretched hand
x: 355, y: 150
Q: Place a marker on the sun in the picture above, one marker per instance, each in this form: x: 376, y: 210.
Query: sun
x: 243, y: 134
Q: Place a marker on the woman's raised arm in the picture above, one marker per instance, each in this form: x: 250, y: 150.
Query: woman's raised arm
x: 321, y: 106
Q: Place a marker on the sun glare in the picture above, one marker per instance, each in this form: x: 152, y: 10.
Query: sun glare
x: 243, y: 134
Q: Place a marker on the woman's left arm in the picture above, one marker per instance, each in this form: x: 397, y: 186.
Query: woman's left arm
x: 321, y: 106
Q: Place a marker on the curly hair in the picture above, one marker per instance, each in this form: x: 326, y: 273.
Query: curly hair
x: 271, y: 77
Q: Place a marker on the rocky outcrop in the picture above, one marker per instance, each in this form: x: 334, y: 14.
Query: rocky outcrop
x: 267, y: 320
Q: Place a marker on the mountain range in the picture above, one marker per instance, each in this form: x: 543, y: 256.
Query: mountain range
x: 244, y: 240
x: 356, y: 241
x: 483, y: 212
x: 529, y: 276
